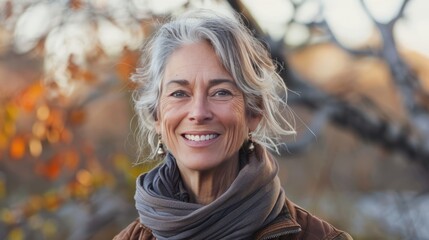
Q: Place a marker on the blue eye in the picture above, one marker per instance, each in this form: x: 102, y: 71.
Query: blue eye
x: 223, y: 92
x: 221, y: 95
x: 179, y: 94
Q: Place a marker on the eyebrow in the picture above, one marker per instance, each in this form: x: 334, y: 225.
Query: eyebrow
x: 212, y: 82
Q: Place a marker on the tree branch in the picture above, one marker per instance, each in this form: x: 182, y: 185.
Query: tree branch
x: 370, y: 127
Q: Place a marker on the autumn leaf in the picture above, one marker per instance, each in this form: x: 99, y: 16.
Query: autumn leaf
x: 51, y: 201
x: 126, y: 66
x: 16, y: 234
x: 87, y: 76
x: 78, y: 190
x: 53, y: 135
x: 39, y: 49
x: 77, y: 116
x: 66, y: 136
x: 34, y: 204
x: 9, y: 128
x: 11, y: 111
x: 71, y: 159
x: 55, y: 119
x: 79, y: 73
x: 76, y: 4
x: 72, y: 67
x: 29, y: 97
x: 54, y: 126
x: 51, y: 169
x: 17, y: 147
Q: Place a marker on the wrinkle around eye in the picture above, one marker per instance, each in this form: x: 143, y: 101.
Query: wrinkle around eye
x: 223, y: 97
x: 222, y: 92
x: 179, y: 94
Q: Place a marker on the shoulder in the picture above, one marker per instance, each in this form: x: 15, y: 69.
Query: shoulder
x: 135, y: 231
x: 314, y: 228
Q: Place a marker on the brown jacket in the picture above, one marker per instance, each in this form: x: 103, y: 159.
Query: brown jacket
x: 293, y: 223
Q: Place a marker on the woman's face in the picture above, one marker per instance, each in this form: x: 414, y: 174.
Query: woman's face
x: 201, y: 116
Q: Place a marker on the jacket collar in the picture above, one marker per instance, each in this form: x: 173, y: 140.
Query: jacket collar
x: 284, y: 224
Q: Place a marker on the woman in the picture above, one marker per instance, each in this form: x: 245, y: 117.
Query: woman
x: 211, y: 104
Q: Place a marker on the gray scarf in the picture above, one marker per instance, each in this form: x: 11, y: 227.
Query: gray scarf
x: 252, y: 201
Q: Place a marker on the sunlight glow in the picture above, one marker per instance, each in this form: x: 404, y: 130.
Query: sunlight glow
x: 114, y: 39
x: 383, y: 10
x: 308, y: 11
x: 297, y: 34
x: 412, y: 31
x: 163, y: 6
x: 34, y: 23
x: 348, y: 21
x: 272, y: 15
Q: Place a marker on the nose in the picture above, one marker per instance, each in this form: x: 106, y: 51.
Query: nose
x: 200, y: 110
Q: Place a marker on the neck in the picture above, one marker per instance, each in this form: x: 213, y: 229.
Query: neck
x: 206, y: 186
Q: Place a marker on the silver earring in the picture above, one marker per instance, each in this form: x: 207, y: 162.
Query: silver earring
x: 160, y: 149
x: 251, y: 146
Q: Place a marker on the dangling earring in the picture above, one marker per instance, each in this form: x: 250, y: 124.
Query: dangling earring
x: 160, y: 149
x: 251, y: 146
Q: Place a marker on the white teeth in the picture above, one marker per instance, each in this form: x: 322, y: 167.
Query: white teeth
x: 199, y: 138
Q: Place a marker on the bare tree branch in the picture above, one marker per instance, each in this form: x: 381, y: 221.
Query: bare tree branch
x: 368, y: 126
x: 356, y: 52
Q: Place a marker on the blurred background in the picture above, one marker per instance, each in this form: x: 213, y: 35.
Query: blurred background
x: 358, y: 74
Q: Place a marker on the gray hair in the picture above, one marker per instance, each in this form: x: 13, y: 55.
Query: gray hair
x: 242, y: 55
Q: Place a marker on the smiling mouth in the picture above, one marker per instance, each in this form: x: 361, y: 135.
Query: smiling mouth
x: 200, y: 138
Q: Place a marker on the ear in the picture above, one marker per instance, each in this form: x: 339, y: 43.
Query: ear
x: 253, y: 121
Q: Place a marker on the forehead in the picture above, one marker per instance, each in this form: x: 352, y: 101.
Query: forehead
x: 195, y: 60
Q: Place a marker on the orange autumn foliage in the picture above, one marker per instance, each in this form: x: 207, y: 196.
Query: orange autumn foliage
x: 126, y: 66
x: 51, y: 169
x: 76, y: 4
x: 17, y: 147
x: 29, y: 98
x: 78, y: 73
x: 71, y: 159
x: 77, y: 116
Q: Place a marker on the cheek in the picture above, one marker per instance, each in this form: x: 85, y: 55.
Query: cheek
x: 239, y: 113
x: 236, y: 123
x: 168, y: 135
x: 168, y: 119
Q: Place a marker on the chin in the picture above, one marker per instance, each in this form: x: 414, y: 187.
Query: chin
x: 198, y: 162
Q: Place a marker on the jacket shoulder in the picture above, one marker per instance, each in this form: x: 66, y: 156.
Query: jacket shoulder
x: 135, y: 231
x: 314, y: 228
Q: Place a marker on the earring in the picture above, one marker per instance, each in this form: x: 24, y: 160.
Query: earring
x: 251, y: 146
x: 160, y: 149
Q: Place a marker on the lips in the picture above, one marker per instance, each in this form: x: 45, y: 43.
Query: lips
x: 200, y: 137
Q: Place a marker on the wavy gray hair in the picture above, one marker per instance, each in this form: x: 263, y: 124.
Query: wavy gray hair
x: 244, y: 57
